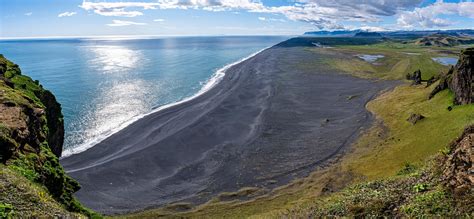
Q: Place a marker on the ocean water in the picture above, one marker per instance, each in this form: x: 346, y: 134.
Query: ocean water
x: 105, y: 84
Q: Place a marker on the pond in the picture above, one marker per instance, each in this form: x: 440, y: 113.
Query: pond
x: 369, y: 58
x: 446, y: 60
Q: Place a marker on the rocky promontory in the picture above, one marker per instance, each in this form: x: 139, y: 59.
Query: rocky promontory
x: 31, y: 140
x: 459, y: 79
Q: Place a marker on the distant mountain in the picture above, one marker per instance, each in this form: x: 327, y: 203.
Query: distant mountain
x: 368, y: 34
x: 333, y: 33
x: 395, y: 34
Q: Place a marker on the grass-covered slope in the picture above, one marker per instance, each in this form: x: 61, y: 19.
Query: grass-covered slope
x: 31, y: 138
x: 441, y: 188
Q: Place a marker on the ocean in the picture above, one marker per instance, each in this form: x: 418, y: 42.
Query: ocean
x: 104, y: 84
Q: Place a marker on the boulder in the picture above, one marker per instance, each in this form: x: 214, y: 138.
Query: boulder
x: 414, y: 118
x: 415, y: 77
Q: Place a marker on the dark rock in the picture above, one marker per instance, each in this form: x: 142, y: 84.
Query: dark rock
x: 55, y: 122
x: 444, y: 81
x: 416, y: 77
x: 458, y: 172
x: 462, y: 83
x: 430, y: 81
x: 450, y: 108
x: 459, y: 79
x: 414, y: 118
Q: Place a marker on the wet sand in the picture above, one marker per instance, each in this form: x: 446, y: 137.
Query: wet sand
x: 267, y: 122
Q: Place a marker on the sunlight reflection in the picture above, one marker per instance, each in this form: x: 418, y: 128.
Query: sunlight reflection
x: 115, y: 58
x: 120, y: 96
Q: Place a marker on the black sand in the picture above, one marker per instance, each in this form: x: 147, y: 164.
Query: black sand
x: 267, y: 121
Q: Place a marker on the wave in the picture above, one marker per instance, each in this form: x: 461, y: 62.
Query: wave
x: 209, y: 84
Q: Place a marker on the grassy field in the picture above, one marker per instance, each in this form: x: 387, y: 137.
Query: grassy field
x: 391, y: 146
x: 399, y: 59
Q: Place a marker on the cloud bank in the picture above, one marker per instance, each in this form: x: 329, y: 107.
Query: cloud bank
x: 323, y: 14
x: 429, y: 16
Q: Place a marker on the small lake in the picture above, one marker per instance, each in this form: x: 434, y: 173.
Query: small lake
x: 446, y: 60
x: 370, y: 58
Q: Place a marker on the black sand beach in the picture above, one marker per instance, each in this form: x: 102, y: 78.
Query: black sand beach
x: 265, y: 123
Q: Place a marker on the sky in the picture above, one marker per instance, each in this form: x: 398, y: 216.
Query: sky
x: 63, y: 18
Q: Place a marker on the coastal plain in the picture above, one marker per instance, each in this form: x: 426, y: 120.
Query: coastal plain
x: 265, y: 124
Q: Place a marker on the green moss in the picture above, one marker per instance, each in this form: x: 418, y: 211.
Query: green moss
x: 432, y: 203
x: 6, y: 210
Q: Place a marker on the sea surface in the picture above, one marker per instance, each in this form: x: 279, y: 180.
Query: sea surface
x: 104, y: 84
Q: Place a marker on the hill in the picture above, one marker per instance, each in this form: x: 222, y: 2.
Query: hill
x: 442, y: 40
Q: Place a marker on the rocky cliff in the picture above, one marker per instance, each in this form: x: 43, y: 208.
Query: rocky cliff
x: 459, y: 79
x: 462, y: 83
x: 31, y: 139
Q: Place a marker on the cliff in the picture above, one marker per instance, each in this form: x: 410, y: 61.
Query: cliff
x: 459, y: 79
x: 31, y: 139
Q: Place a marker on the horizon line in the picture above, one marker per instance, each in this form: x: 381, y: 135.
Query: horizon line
x: 136, y: 36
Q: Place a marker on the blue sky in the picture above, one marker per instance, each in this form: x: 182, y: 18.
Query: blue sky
x: 35, y: 18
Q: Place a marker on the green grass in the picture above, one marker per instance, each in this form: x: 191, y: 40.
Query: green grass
x: 399, y: 59
x: 25, y: 198
x: 407, y: 143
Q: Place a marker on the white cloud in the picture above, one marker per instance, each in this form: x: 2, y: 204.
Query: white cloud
x: 28, y: 13
x: 119, y: 23
x: 67, y: 14
x: 159, y: 20
x: 271, y: 19
x: 324, y: 14
x: 428, y: 17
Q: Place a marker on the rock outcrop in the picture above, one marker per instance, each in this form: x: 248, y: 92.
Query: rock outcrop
x: 462, y: 83
x: 459, y: 79
x: 32, y: 135
x: 414, y: 118
x: 458, y: 173
x: 415, y: 77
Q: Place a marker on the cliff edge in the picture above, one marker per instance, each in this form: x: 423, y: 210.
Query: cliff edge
x: 459, y: 79
x: 33, y: 183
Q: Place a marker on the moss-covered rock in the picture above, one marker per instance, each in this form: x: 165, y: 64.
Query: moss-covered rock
x: 32, y: 135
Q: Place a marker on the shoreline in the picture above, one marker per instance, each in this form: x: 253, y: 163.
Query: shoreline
x: 209, y: 84
x: 214, y: 143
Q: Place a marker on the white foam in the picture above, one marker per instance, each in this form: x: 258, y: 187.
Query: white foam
x: 211, y: 82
